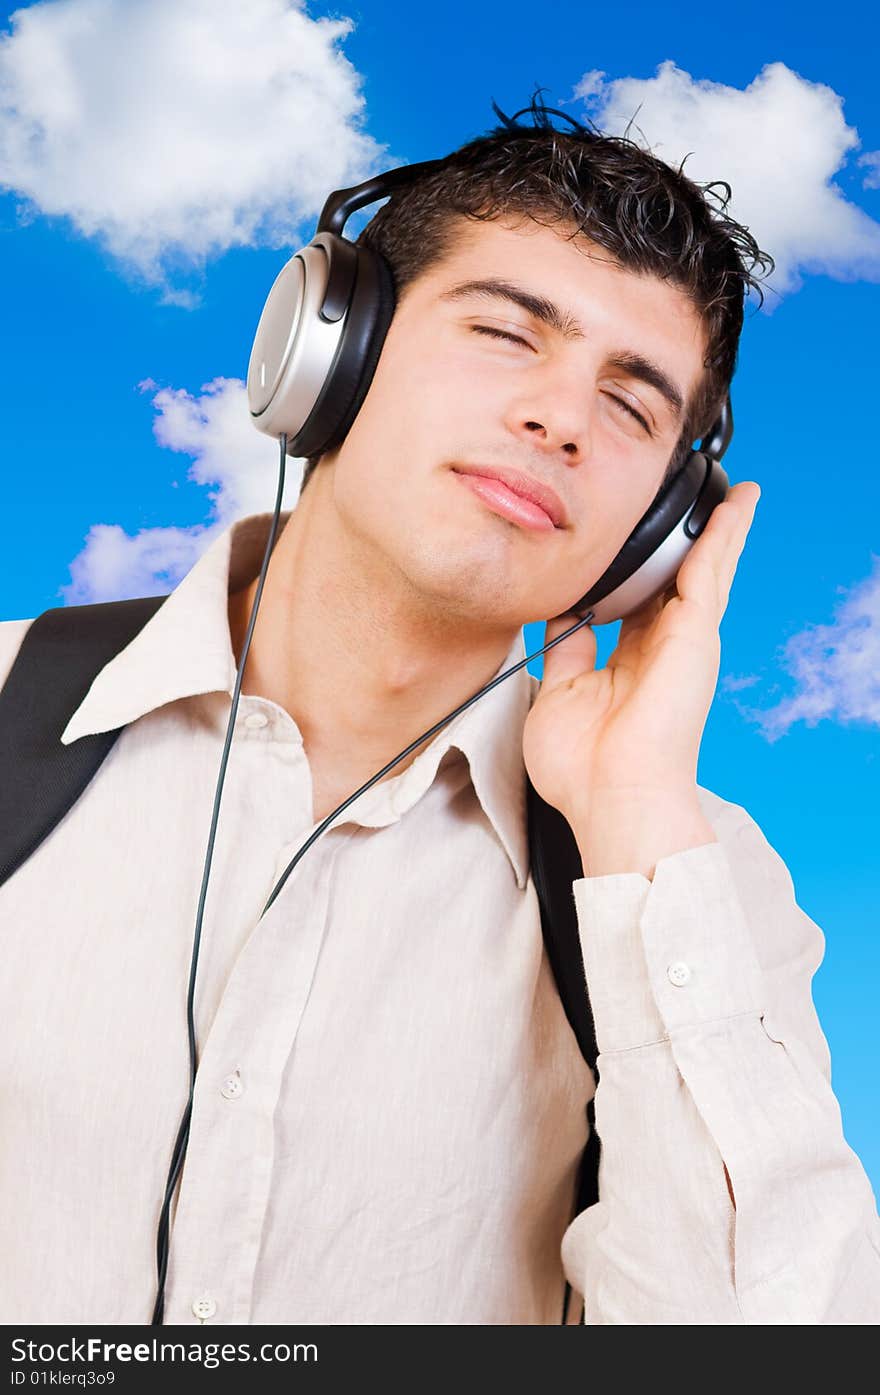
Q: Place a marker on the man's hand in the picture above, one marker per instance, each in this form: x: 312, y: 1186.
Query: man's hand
x: 616, y: 750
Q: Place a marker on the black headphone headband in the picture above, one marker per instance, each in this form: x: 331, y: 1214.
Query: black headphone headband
x: 720, y: 434
x: 340, y: 205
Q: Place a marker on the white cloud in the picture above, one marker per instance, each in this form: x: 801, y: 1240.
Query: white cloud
x: 871, y: 159
x: 113, y: 565
x: 835, y: 667
x: 172, y: 130
x: 778, y: 143
x: 733, y: 684
x: 215, y: 429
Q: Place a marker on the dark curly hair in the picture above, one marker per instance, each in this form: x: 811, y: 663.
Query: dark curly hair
x: 652, y: 218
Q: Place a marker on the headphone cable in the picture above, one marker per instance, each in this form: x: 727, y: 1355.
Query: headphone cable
x: 180, y: 1144
x: 182, y: 1139
x: 411, y: 747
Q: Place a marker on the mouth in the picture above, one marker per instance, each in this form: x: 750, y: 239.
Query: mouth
x: 515, y: 496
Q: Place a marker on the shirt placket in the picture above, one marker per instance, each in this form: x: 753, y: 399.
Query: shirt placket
x: 227, y: 1177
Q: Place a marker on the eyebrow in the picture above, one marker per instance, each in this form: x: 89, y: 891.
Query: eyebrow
x: 634, y: 364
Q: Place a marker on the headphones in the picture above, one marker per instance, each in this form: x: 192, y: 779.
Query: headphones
x: 315, y: 352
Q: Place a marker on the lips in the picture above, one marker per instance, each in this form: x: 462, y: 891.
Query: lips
x: 524, y: 486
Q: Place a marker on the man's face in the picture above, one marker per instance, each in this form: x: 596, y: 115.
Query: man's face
x: 521, y: 350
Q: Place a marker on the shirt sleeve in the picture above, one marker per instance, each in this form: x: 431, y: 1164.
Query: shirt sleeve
x: 711, y: 1056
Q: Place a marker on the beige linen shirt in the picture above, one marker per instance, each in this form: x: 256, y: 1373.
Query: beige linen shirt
x: 390, y: 1105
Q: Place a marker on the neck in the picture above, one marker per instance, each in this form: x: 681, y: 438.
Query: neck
x: 342, y: 642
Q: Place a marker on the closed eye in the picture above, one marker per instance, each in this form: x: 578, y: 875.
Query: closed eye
x: 632, y: 411
x: 494, y: 333
x: 500, y: 334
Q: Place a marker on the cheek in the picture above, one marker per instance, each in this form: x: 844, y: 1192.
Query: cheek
x: 400, y: 394
x: 608, y: 508
x: 433, y: 388
x: 621, y: 480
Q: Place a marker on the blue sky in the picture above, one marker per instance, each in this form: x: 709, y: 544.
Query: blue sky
x: 144, y: 213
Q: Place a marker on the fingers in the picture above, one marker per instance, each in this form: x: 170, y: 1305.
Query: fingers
x: 739, y: 527
x: 707, y: 573
x: 634, y: 625
x: 567, y: 660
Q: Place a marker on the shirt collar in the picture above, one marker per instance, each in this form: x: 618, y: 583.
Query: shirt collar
x: 185, y: 649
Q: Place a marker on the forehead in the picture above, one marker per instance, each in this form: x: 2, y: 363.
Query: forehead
x: 617, y: 309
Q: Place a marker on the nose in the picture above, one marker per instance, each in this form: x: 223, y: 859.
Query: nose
x: 552, y: 415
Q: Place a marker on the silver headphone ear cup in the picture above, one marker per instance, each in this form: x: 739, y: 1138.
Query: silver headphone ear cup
x: 651, y: 579
x: 366, y: 324
x: 308, y: 375
x: 294, y: 346
x: 651, y: 557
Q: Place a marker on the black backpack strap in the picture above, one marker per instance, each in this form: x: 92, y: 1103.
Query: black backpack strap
x: 555, y: 864
x: 62, y: 652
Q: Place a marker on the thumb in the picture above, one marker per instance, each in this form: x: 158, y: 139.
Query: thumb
x: 573, y: 656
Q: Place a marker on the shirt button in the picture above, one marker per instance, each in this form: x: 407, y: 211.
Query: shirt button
x: 232, y: 1087
x: 255, y: 720
x: 204, y: 1307
x: 678, y: 973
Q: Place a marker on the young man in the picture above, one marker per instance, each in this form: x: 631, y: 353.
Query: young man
x: 390, y: 1106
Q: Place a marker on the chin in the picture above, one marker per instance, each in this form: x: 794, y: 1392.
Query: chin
x: 470, y: 588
